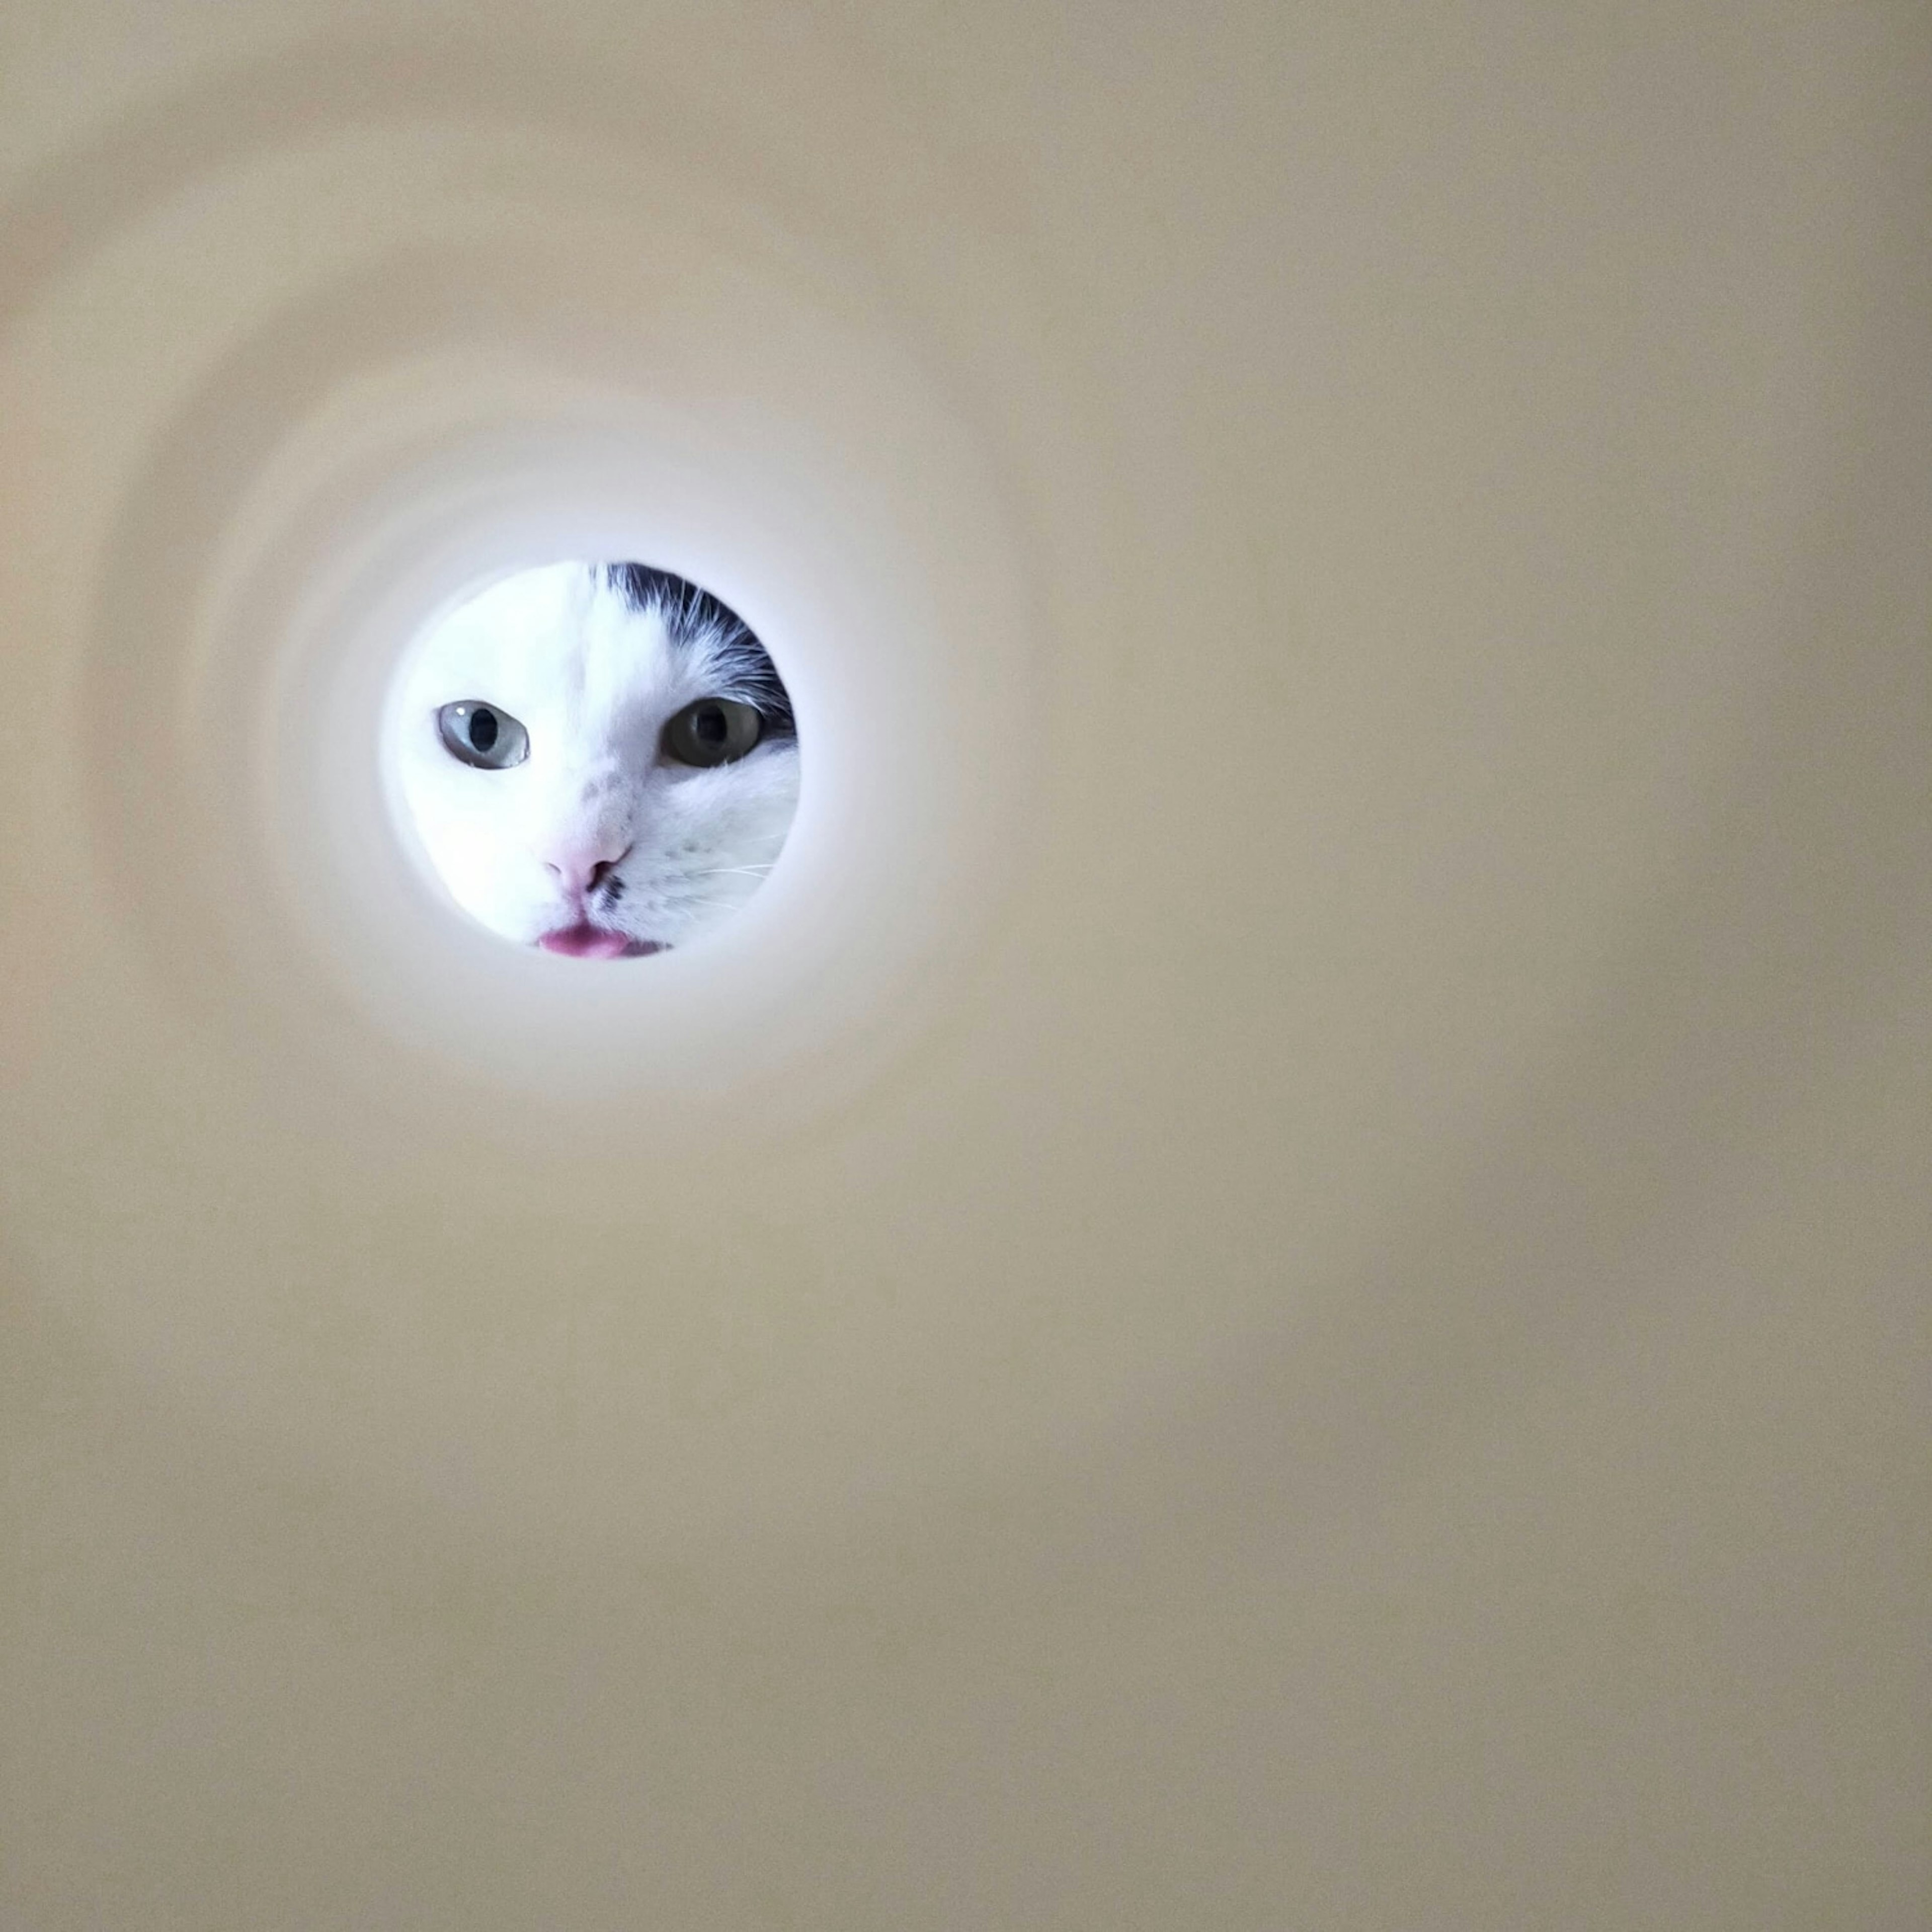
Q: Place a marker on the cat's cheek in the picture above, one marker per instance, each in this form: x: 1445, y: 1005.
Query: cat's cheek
x: 469, y: 854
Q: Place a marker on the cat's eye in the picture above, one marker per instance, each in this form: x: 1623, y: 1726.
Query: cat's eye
x: 481, y: 735
x: 713, y: 731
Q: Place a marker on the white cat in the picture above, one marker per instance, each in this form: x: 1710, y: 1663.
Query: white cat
x: 599, y: 759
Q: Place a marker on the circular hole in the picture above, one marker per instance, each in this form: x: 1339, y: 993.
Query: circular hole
x: 595, y: 759
x: 311, y: 512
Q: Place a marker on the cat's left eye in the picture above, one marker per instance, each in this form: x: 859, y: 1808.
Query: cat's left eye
x: 481, y: 735
x: 713, y: 731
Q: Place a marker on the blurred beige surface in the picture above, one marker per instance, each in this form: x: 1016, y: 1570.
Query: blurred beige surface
x: 1364, y: 1364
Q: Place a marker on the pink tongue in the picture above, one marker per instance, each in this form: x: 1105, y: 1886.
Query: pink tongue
x: 585, y: 941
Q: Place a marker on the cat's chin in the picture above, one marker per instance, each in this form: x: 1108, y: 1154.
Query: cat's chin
x: 585, y: 941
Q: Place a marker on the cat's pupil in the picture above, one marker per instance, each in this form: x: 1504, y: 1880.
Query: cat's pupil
x: 483, y: 727
x: 711, y: 725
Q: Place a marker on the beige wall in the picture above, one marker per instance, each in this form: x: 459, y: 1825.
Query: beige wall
x: 1285, y: 1285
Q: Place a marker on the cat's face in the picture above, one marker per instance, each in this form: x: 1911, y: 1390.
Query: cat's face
x: 599, y: 759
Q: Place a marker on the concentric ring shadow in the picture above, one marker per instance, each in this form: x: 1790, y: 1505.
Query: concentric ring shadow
x: 176, y: 812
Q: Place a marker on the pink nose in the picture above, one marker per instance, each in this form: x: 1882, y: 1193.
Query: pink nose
x: 581, y: 869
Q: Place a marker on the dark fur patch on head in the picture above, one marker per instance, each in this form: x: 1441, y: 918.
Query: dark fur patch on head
x: 693, y: 618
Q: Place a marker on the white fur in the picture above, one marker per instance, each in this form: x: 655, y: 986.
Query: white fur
x: 593, y: 682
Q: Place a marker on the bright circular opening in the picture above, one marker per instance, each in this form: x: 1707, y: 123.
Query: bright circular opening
x: 595, y: 758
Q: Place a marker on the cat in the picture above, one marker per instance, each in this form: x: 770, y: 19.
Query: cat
x: 600, y: 759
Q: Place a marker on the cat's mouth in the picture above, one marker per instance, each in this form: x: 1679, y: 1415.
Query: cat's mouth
x: 585, y: 941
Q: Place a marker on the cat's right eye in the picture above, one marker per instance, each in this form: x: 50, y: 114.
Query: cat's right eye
x: 481, y: 735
